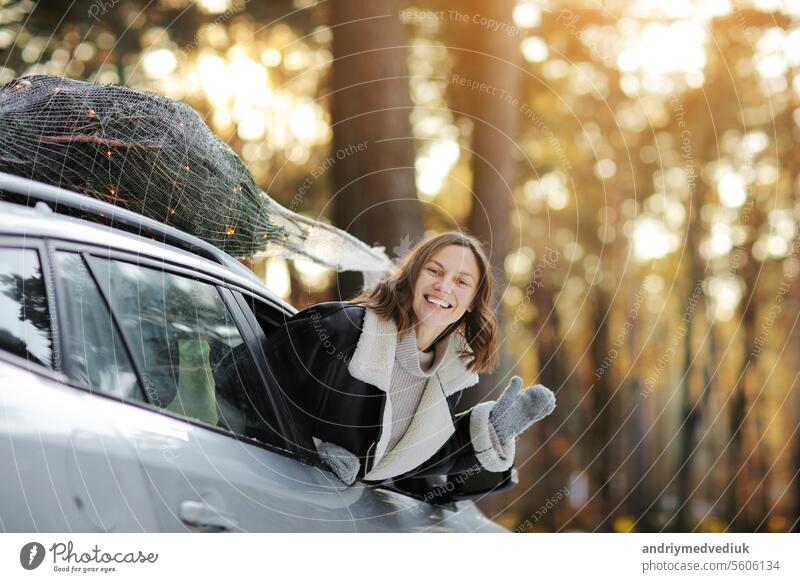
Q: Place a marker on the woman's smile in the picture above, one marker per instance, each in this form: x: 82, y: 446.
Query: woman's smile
x: 437, y: 303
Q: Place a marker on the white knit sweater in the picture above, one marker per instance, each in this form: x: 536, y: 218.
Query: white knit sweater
x: 410, y: 374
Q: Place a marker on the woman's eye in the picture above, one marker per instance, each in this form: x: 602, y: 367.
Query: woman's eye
x: 462, y: 282
x: 432, y: 270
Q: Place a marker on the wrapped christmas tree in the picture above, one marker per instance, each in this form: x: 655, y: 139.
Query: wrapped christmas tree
x: 156, y: 157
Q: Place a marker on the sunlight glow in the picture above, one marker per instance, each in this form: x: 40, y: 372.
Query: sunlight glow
x: 213, y: 6
x: 240, y: 90
x: 159, y: 63
x: 271, y: 57
x: 305, y: 119
x: 720, y: 241
x: 527, y: 14
x: 312, y: 275
x: 605, y: 168
x: 251, y: 126
x: 645, y: 55
x: 434, y: 164
x: 277, y: 278
x: 550, y: 188
x: 652, y: 239
x: 732, y: 189
x: 534, y: 49
x: 723, y: 294
x: 520, y: 262
x: 701, y: 10
x: 211, y: 68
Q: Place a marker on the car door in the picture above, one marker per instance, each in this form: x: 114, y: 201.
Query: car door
x: 210, y: 444
x: 65, y: 468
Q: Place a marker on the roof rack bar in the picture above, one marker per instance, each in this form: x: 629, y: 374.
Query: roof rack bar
x: 34, y: 191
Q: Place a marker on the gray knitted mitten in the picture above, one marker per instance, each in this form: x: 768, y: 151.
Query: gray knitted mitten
x: 516, y: 411
x: 342, y: 462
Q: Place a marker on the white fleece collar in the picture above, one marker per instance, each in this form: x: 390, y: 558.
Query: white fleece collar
x: 373, y: 359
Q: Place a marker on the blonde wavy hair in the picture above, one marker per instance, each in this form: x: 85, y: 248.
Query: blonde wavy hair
x: 392, y: 297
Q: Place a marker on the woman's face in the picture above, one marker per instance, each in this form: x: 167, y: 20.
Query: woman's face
x: 446, y: 286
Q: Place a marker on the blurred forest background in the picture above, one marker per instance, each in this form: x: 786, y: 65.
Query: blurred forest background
x: 631, y: 166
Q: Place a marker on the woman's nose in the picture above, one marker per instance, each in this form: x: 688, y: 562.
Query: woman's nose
x: 445, y: 286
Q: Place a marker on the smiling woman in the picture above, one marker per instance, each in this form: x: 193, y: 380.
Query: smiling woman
x: 380, y: 392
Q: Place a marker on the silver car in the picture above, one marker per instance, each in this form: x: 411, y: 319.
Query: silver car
x: 135, y: 393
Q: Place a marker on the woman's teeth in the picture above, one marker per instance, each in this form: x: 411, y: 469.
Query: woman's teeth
x: 437, y: 303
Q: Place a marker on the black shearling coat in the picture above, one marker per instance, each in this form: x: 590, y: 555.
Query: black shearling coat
x: 336, y: 376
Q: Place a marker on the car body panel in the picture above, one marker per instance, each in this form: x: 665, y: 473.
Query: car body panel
x: 86, y: 462
x: 65, y: 466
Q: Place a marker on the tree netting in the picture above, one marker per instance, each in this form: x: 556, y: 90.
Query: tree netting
x: 156, y: 157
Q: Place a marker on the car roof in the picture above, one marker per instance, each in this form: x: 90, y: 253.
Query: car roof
x: 164, y: 243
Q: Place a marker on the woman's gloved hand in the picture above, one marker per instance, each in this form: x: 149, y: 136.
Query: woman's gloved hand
x: 517, y: 410
x: 342, y: 462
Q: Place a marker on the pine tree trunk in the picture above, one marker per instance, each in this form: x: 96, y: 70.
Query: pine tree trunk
x: 374, y: 195
x: 605, y: 415
x: 691, y: 408
x: 739, y: 401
